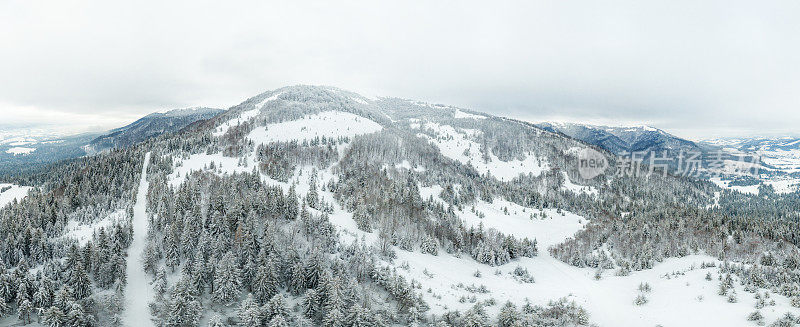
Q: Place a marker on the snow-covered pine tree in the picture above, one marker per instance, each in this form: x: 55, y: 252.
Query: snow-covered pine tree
x: 265, y: 285
x: 184, y: 310
x: 226, y: 280
x: 249, y: 313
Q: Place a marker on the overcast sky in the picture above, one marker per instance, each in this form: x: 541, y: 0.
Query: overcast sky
x: 696, y: 68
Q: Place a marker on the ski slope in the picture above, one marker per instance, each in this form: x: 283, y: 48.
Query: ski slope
x: 139, y: 292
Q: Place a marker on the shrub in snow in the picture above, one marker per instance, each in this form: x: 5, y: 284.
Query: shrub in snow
x: 640, y: 300
x: 428, y: 245
x: 732, y: 298
x: 788, y: 320
x: 755, y: 316
x: 645, y: 287
x: 522, y: 275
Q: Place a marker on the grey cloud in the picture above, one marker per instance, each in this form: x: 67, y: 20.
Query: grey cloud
x: 700, y: 67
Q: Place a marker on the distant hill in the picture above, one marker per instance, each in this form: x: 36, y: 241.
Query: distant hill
x: 149, y: 126
x: 624, y: 138
x: 20, y: 154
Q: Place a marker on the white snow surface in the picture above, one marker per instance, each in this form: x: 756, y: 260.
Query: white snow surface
x: 680, y: 294
x: 330, y: 124
x: 749, y: 189
x: 458, y: 145
x: 83, y: 232
x: 15, y: 192
x: 577, y: 189
x: 461, y: 114
x: 202, y: 162
x: 518, y: 222
x: 139, y: 293
x: 18, y: 150
x: 244, y: 116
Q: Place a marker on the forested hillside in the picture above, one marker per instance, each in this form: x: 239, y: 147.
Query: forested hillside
x: 315, y: 206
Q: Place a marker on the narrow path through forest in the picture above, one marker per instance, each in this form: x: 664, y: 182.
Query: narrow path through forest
x: 138, y: 292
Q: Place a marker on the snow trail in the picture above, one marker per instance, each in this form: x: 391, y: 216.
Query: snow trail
x: 139, y: 293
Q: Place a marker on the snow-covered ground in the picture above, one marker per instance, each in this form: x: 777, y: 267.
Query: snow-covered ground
x: 330, y: 124
x: 523, y: 222
x: 680, y: 294
x: 458, y: 145
x: 461, y: 114
x: 575, y: 188
x: 202, y: 162
x: 15, y: 192
x: 18, y: 150
x: 138, y: 292
x: 83, y: 233
x: 244, y: 116
x: 785, y: 160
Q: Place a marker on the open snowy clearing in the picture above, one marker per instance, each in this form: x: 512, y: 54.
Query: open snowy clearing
x: 20, y: 150
x: 243, y: 117
x: 457, y: 145
x: 138, y: 293
x: 680, y: 294
x: 204, y: 162
x: 14, y: 192
x: 749, y: 189
x: 460, y: 114
x: 577, y: 189
x: 330, y: 124
x: 83, y: 232
x: 524, y: 222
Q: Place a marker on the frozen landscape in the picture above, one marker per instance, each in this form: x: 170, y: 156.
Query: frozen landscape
x: 342, y: 209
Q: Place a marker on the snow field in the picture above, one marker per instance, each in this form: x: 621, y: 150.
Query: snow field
x: 244, y: 116
x: 20, y: 150
x: 678, y: 284
x: 83, y: 233
x: 577, y: 189
x: 460, y: 114
x: 330, y: 124
x: 548, y: 231
x: 15, y: 192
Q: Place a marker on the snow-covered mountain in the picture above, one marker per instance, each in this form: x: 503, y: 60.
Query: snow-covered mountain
x: 619, y: 139
x: 316, y: 206
x: 149, y: 126
x: 21, y: 150
x: 786, y: 143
